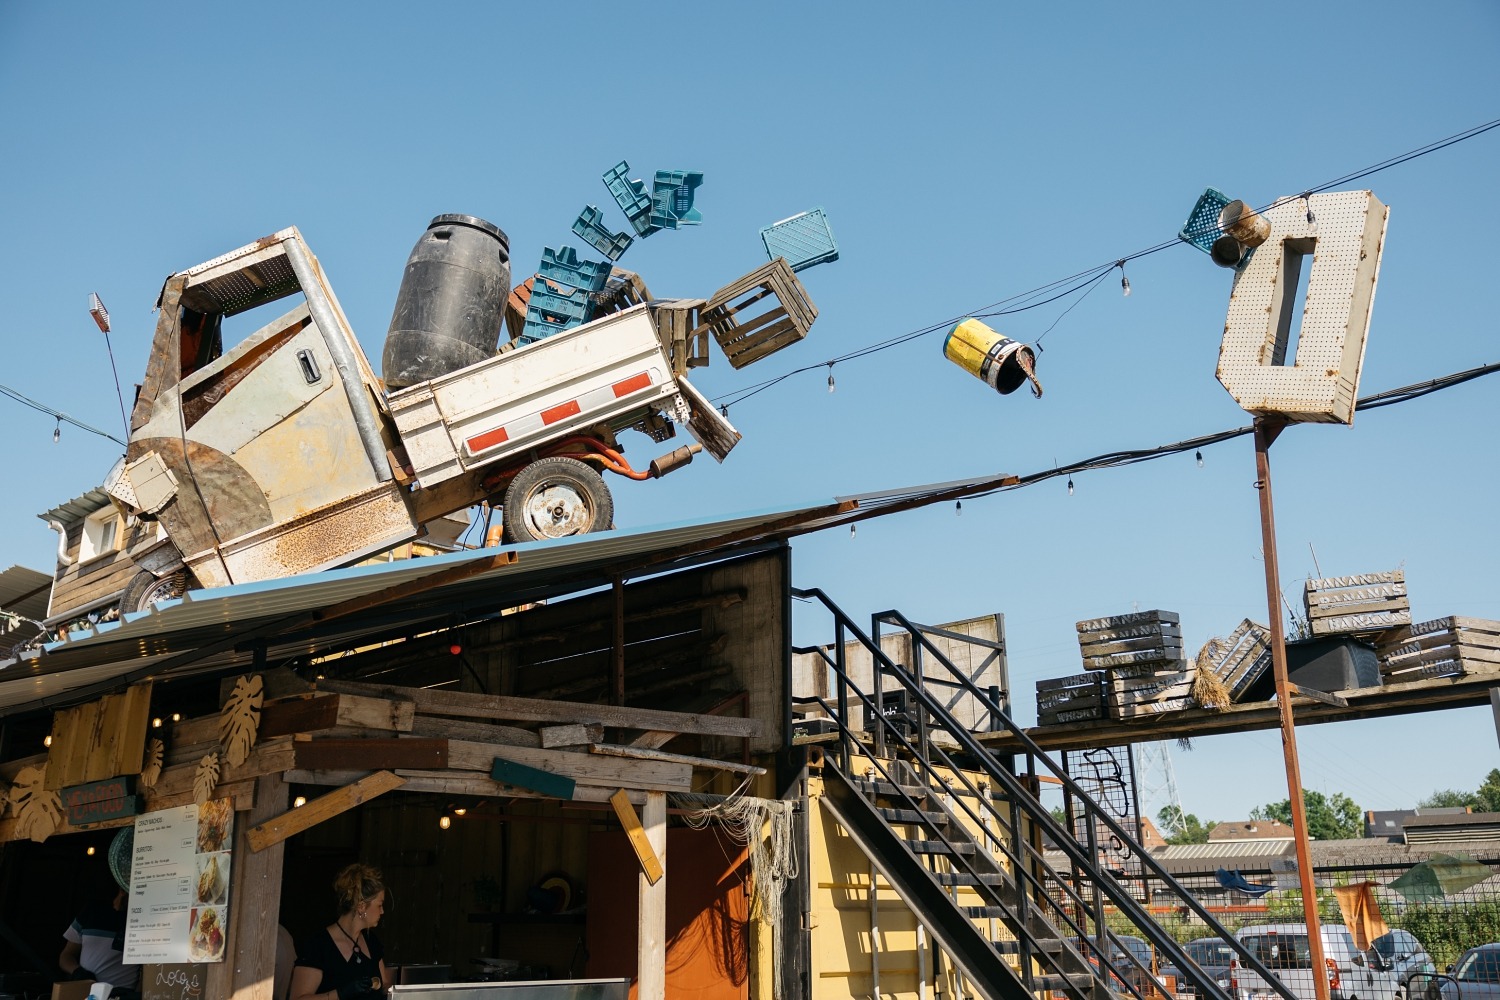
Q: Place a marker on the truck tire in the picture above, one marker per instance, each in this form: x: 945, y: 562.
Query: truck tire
x: 146, y: 589
x: 554, y: 498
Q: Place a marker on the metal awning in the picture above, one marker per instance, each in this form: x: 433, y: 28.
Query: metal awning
x: 220, y: 630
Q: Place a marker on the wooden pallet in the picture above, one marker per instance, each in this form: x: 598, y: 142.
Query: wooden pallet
x: 1074, y: 698
x: 745, y: 338
x: 1349, y: 605
x: 1149, y: 708
x: 1444, y: 647
x: 1065, y: 716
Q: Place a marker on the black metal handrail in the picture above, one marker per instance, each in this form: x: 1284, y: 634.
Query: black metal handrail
x: 931, y: 711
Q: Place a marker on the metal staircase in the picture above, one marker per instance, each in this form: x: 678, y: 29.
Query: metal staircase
x: 959, y: 835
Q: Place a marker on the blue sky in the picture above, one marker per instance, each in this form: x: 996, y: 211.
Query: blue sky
x: 964, y: 153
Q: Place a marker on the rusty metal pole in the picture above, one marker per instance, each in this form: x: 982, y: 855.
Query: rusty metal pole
x: 1266, y: 431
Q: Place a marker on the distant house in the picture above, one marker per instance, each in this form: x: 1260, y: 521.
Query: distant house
x: 1250, y: 829
x: 1390, y: 824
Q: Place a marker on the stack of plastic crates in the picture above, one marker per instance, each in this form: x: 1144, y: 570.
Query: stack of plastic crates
x: 632, y: 198
x: 562, y: 294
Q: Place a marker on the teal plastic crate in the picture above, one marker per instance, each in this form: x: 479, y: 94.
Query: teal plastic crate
x: 804, y: 240
x: 1202, y: 225
x: 632, y: 198
x: 563, y: 266
x: 589, y: 226
x: 552, y: 310
x: 672, y: 199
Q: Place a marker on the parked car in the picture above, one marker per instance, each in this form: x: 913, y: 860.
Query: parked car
x: 1133, y: 964
x: 1403, y: 954
x: 1475, y: 976
x: 1286, y: 951
x: 1213, y: 955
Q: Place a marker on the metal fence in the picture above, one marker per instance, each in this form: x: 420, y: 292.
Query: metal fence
x: 1445, y: 922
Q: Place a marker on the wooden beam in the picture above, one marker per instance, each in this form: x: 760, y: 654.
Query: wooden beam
x: 255, y: 898
x: 477, y: 732
x: 645, y: 852
x: 651, y: 907
x: 460, y: 703
x: 583, y: 768
x: 329, y: 711
x: 653, y: 739
x: 641, y: 753
x: 338, y: 801
x: 333, y: 754
x: 570, y: 736
x: 1321, y: 696
x: 452, y: 783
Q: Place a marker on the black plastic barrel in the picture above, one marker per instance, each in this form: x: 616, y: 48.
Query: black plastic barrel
x: 452, y: 301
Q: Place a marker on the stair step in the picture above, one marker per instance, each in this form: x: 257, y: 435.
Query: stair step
x: 887, y: 789
x: 1013, y: 947
x: 914, y: 816
x: 938, y: 847
x: 986, y: 911
x: 964, y: 878
x: 1075, y: 980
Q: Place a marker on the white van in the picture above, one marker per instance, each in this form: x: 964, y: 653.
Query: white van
x: 1284, y: 949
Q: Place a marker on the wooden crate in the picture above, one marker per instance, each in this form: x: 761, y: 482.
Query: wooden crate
x: 745, y: 338
x: 1444, y: 647
x: 1140, y: 709
x: 1076, y: 698
x: 1142, y: 638
x: 1350, y: 605
x: 685, y: 342
x: 1247, y: 656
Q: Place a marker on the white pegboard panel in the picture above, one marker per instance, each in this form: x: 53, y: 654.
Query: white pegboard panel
x: 1346, y: 240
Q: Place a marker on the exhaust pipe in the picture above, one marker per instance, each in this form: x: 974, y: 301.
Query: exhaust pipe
x: 674, y: 460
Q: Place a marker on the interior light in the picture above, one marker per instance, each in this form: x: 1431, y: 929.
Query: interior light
x: 299, y: 802
x: 445, y: 822
x: 47, y: 740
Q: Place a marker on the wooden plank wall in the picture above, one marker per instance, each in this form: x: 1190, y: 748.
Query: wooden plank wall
x: 83, y: 582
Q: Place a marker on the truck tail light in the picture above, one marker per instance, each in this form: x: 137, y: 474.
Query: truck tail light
x: 1333, y: 973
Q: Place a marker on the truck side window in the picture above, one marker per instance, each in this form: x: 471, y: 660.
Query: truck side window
x: 201, y: 339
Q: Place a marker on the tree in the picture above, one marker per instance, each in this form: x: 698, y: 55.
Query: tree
x: 1449, y: 798
x: 1485, y: 799
x: 1332, y: 817
x: 1183, y: 828
x: 1488, y: 796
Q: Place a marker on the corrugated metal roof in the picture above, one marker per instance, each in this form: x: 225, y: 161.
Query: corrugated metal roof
x: 1238, y: 849
x: 79, y: 507
x: 217, y: 629
x: 24, y: 591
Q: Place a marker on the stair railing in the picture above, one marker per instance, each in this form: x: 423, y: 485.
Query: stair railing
x: 1103, y: 943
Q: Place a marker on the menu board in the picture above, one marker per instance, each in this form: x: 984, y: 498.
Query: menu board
x: 179, y: 885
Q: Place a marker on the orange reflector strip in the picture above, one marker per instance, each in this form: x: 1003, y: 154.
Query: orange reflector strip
x: 561, y: 412
x: 633, y: 384
x: 487, y: 440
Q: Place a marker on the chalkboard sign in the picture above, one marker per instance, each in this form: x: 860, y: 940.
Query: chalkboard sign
x: 176, y: 981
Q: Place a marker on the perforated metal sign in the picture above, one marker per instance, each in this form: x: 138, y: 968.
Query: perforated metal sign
x: 1319, y: 380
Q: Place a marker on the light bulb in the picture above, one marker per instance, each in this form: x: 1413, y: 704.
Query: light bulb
x: 1070, y: 486
x: 156, y: 723
x: 459, y: 811
x: 57, y: 433
x: 46, y: 741
x: 444, y: 822
x: 176, y: 716
x: 958, y: 507
x: 90, y: 852
x: 1124, y: 286
x: 299, y: 802
x: 853, y: 530
x: 1199, y: 456
x: 830, y: 378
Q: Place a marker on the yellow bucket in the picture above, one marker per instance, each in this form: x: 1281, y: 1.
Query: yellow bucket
x: 1001, y: 363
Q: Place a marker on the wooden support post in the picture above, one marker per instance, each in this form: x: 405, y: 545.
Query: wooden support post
x: 617, y: 671
x: 248, y: 969
x: 651, y: 907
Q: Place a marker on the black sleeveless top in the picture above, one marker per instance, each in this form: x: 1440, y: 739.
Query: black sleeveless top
x: 320, y: 952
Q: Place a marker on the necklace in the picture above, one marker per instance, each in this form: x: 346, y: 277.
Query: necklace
x: 358, y: 955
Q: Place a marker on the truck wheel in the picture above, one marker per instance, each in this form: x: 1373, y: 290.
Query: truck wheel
x: 146, y: 589
x: 556, y: 497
